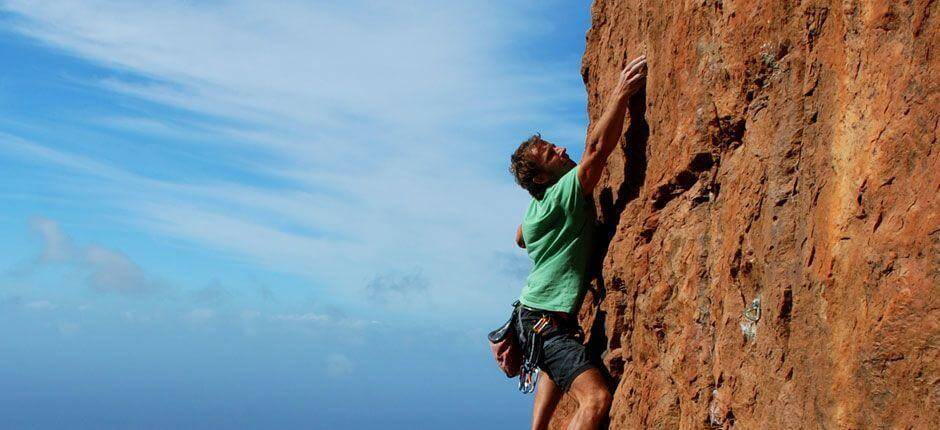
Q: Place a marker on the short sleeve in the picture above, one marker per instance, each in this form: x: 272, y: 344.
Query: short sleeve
x: 567, y: 192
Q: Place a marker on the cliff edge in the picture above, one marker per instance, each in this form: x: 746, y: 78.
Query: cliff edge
x: 772, y: 219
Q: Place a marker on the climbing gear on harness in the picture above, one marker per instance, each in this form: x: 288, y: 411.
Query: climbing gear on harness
x: 504, y: 344
x: 518, y: 356
x: 529, y: 374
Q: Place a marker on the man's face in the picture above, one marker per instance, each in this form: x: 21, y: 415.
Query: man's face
x: 553, y: 159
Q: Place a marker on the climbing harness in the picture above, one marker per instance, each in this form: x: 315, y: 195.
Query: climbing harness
x: 517, y: 353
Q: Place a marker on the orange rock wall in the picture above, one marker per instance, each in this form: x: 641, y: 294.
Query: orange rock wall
x: 784, y: 152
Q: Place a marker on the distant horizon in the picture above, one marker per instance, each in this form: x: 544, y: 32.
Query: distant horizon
x: 243, y: 215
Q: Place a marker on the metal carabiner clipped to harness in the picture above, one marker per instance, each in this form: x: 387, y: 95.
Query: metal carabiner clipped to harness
x: 529, y: 371
x: 528, y: 379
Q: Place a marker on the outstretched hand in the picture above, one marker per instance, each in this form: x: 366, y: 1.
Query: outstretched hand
x: 631, y: 78
x: 609, y: 129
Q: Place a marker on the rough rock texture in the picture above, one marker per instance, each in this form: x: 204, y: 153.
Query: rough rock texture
x: 784, y: 152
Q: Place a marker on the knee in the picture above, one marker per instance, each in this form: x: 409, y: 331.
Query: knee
x: 599, y: 402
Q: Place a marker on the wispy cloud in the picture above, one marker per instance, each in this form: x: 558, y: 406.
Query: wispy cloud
x: 397, y: 286
x: 213, y: 294
x: 515, y: 265
x: 356, y: 139
x: 56, y: 246
x: 113, y: 271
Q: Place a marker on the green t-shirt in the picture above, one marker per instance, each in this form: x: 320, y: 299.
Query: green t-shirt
x: 557, y: 231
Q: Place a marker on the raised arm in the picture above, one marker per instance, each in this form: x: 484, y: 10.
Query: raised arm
x: 519, y: 240
x: 603, y: 139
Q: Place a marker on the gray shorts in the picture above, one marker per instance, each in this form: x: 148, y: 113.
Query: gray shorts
x: 564, y: 357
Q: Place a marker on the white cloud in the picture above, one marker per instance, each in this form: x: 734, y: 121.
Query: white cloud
x: 397, y: 286
x: 56, y: 246
x: 382, y: 118
x: 105, y: 270
x: 115, y: 272
x: 214, y: 294
x: 329, y: 66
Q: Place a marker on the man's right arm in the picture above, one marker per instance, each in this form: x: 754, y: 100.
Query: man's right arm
x: 519, y: 239
x: 602, y: 141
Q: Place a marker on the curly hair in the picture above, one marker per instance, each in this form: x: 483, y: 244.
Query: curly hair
x: 525, y: 169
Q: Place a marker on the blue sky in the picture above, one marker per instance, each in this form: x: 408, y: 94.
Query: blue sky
x: 269, y: 214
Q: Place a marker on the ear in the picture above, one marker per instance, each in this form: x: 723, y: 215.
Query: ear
x: 540, y: 179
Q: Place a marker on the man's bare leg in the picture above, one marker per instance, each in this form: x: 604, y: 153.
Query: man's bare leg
x: 590, y: 391
x: 547, y: 396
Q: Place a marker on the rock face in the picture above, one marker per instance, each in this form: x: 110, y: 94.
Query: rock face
x: 772, y: 217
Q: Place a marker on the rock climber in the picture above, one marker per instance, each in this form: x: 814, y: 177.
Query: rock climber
x: 556, y: 233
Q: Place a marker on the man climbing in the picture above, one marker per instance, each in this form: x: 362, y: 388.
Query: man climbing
x: 556, y: 233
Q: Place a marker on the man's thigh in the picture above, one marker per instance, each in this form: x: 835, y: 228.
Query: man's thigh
x: 588, y: 384
x: 564, y: 359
